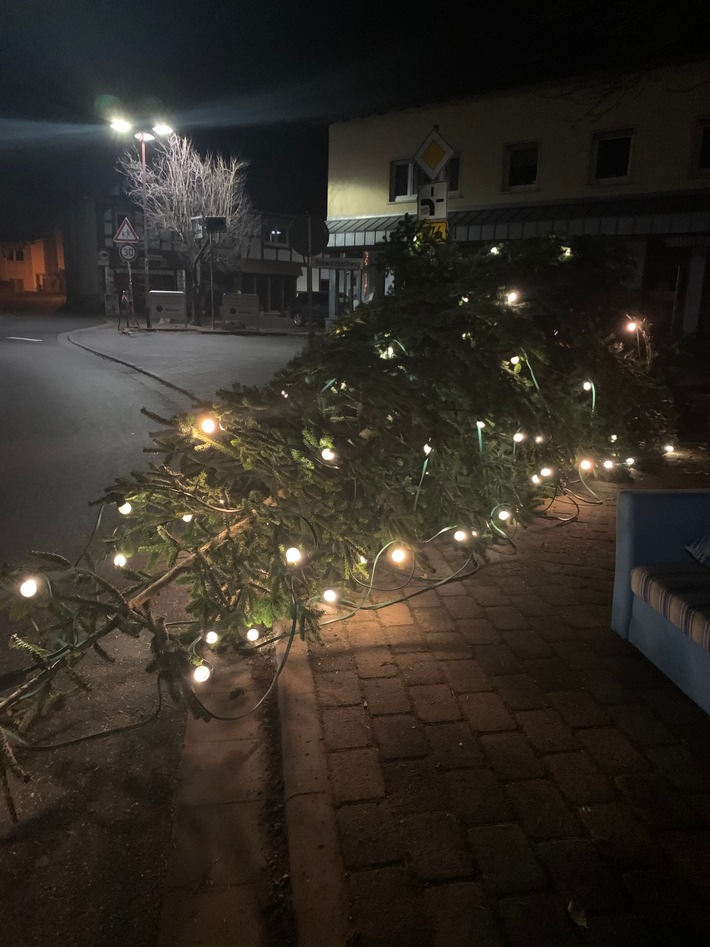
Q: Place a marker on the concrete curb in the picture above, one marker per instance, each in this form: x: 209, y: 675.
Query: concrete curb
x: 317, y: 876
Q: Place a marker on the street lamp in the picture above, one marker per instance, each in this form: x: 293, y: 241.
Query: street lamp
x: 160, y: 128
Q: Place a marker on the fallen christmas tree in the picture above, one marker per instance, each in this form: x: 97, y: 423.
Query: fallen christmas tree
x: 452, y: 407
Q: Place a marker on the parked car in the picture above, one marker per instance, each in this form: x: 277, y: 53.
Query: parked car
x: 320, y: 303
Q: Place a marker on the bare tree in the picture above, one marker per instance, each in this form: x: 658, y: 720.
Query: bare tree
x: 181, y: 184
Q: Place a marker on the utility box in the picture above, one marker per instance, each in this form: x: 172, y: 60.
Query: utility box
x: 167, y: 305
x: 240, y: 307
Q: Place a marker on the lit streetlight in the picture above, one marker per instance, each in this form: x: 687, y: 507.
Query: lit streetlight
x: 160, y: 128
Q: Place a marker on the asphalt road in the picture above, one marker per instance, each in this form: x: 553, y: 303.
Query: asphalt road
x: 71, y: 421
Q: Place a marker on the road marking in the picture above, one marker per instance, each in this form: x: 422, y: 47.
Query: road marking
x: 19, y: 338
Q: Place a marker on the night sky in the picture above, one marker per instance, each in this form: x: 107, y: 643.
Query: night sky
x: 262, y: 79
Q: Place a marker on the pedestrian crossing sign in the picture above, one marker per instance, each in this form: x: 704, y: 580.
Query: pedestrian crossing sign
x: 126, y: 233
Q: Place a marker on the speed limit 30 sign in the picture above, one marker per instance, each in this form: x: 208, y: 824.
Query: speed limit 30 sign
x: 127, y: 252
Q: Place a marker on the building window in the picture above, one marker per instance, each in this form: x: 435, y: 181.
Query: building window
x: 275, y: 233
x: 611, y: 156
x: 520, y: 168
x: 701, y: 150
x: 406, y: 177
x: 15, y: 255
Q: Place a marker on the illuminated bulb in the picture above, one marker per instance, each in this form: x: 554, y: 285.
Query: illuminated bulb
x: 474, y: 533
x: 125, y: 508
x: 208, y: 425
x: 480, y: 424
x: 119, y: 560
x: 284, y: 394
x: 631, y: 327
x: 518, y: 437
x: 587, y: 386
x: 586, y: 464
x: 515, y: 360
x: 460, y: 535
x: 608, y: 464
x: 464, y: 299
x: 539, y: 439
x: 613, y: 438
x: 201, y: 673
x: 630, y: 461
x: 535, y: 478
x: 512, y: 297
x: 187, y: 517
x: 211, y: 637
x: 495, y: 251
x: 546, y: 472
x: 293, y: 555
x: 28, y: 588
x: 330, y: 595
x: 428, y: 448
x: 566, y: 252
x: 327, y: 454
x: 669, y: 449
x: 363, y: 561
x: 253, y: 634
x: 504, y: 515
x: 398, y: 554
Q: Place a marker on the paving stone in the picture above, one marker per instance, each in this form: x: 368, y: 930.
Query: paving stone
x: 324, y: 658
x: 520, y: 692
x: 460, y: 914
x: 466, y: 676
x: 449, y: 646
x: 581, y: 875
x: 680, y: 767
x: 506, y: 859
x: 434, y: 703
x: 542, y: 810
x: 355, y: 775
x: 345, y: 728
x: 405, y: 639
x: 400, y: 737
x: 620, y: 837
x: 436, y: 846
x: 511, y: 756
x: 551, y: 628
x: 497, y: 659
x: 387, y: 908
x: 218, y: 915
x: 622, y: 930
x: 365, y: 634
x: 678, y: 914
x: 655, y: 802
x: 546, y: 731
x: 421, y: 668
x: 462, y: 606
x: 228, y: 771
x: 556, y: 594
x: 485, y: 712
x: 431, y: 619
x: 453, y: 746
x: 579, y: 709
x: 636, y: 672
x: 689, y: 853
x: 397, y: 614
x: 548, y: 673
x: 374, y: 662
x: 640, y: 724
x: 531, y: 604
x: 537, y: 920
x: 386, y: 696
x: 414, y: 786
x: 578, y: 616
x: 337, y: 688
x: 368, y: 835
x: 506, y: 618
x: 488, y: 595
x: 579, y: 779
x: 477, y: 796
x: 576, y: 655
x: 611, y: 750
x: 701, y: 803
x: 605, y: 687
x: 477, y: 631
x: 526, y: 643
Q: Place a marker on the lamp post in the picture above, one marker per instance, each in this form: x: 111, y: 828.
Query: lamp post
x: 160, y: 128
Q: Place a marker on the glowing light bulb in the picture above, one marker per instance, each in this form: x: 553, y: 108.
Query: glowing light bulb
x: 187, y: 517
x: 330, y: 595
x: 546, y: 472
x: 587, y: 386
x: 28, y: 588
x: 504, y: 515
x: 211, y: 637
x: 428, y: 449
x: 398, y: 554
x: 253, y: 634
x: 363, y: 561
x: 608, y: 464
x: 327, y: 454
x: 613, y: 438
x: 495, y: 251
x: 208, y: 425
x: 539, y: 439
x: 630, y: 461
x: 464, y: 299
x: 518, y: 437
x: 293, y: 555
x: 125, y: 508
x: 586, y: 464
x: 474, y: 534
x: 460, y: 535
x: 119, y: 560
x: 515, y: 360
x: 284, y: 394
x: 669, y: 449
x: 535, y: 479
x: 512, y: 297
x: 201, y: 673
x: 480, y: 425
x: 566, y: 252
x: 631, y: 326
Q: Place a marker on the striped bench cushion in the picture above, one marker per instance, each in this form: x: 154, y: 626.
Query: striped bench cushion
x: 681, y: 593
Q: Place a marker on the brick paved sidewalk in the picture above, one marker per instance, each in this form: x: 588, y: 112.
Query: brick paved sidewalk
x: 495, y: 752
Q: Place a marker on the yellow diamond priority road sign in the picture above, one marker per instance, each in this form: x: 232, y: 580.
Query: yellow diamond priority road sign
x: 433, y: 154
